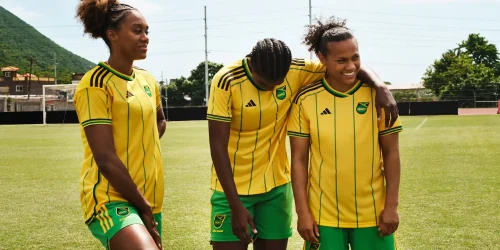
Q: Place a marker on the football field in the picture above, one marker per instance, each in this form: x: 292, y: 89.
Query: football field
x: 449, y: 197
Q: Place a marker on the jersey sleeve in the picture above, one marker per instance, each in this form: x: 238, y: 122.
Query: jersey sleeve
x: 311, y: 72
x: 93, y: 106
x: 158, y: 97
x: 298, y: 124
x: 219, y: 102
x: 383, y: 130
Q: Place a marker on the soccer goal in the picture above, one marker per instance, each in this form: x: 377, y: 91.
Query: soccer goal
x: 58, y: 99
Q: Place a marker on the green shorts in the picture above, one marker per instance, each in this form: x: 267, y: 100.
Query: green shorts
x: 271, y: 213
x: 115, y: 216
x: 332, y: 238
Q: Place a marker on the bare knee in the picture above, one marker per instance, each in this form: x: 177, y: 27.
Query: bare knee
x: 133, y: 237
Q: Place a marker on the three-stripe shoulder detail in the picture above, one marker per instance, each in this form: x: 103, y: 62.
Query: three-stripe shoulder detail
x: 307, y: 89
x: 97, y: 78
x: 225, y: 80
x: 298, y: 62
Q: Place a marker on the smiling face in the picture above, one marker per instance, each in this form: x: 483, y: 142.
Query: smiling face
x: 342, y: 61
x: 131, y: 39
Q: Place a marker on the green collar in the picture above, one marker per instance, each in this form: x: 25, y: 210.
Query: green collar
x: 122, y: 76
x: 249, y: 75
x: 341, y: 94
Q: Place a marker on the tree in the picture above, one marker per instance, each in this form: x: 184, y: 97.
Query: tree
x: 466, y: 73
x: 196, y: 85
x: 175, y: 92
x: 191, y: 91
x: 480, y: 50
x: 388, y: 83
x: 413, y: 95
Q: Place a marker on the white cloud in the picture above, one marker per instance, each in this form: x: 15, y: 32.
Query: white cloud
x: 19, y: 11
x: 145, y: 6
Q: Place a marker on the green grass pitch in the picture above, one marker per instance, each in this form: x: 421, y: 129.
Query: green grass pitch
x: 450, y: 186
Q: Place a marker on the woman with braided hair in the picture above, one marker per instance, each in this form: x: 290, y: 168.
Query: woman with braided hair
x: 248, y: 111
x: 121, y: 118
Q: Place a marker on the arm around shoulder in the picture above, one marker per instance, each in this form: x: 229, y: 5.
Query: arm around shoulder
x: 384, y: 99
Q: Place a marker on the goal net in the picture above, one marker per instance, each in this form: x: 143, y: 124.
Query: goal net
x: 57, y: 100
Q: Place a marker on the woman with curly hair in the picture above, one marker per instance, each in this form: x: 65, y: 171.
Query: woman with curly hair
x: 346, y: 193
x: 119, y: 109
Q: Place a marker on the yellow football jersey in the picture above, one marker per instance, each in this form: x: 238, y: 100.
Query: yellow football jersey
x: 129, y: 105
x: 257, y: 148
x: 346, y: 182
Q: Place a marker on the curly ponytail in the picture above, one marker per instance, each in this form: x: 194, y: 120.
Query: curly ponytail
x: 98, y: 16
x: 320, y: 34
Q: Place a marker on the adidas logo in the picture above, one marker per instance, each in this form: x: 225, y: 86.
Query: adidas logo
x: 129, y: 94
x: 251, y: 104
x: 326, y: 112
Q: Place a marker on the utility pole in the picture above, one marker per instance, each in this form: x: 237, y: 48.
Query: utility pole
x: 206, y: 59
x: 31, y: 58
x: 310, y: 23
x: 55, y: 67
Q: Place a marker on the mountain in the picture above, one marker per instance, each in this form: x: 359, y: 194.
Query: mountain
x: 19, y: 41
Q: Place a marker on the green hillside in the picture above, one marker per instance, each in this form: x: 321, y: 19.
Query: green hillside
x: 20, y: 40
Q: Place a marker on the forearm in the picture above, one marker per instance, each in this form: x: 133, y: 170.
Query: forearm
x: 300, y: 158
x: 117, y: 175
x: 369, y: 77
x: 225, y: 176
x: 299, y: 186
x: 392, y: 171
x: 162, y: 126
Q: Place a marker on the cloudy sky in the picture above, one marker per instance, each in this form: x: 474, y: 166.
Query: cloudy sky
x: 399, y: 39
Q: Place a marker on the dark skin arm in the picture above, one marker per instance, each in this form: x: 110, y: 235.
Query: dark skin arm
x: 384, y: 100
x: 306, y: 225
x: 161, y: 122
x: 100, y: 139
x: 240, y: 217
x: 389, y: 218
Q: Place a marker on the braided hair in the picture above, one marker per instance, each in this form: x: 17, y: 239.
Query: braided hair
x: 98, y: 16
x: 271, y: 58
